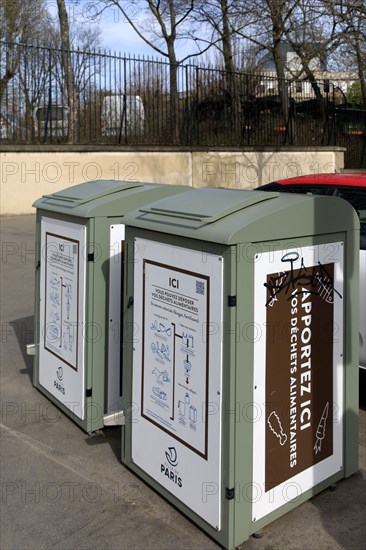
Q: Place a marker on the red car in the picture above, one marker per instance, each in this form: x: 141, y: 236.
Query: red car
x: 352, y: 188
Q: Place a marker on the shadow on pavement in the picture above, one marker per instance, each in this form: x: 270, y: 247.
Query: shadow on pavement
x: 362, y: 390
x: 24, y: 332
x: 339, y: 505
x: 110, y: 435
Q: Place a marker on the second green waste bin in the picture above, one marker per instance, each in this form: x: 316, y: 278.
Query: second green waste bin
x: 244, y: 377
x: 79, y: 257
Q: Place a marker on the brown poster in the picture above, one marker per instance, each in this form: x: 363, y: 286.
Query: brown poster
x: 299, y: 371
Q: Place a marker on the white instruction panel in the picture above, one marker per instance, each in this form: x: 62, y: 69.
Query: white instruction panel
x: 177, y: 371
x: 62, y: 305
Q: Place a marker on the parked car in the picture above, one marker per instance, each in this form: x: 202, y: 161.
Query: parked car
x: 122, y: 115
x: 348, y: 186
x: 51, y: 121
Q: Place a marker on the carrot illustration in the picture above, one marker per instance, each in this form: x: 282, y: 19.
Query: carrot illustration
x: 320, y: 432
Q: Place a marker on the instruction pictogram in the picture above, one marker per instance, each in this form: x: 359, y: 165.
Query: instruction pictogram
x: 175, y: 355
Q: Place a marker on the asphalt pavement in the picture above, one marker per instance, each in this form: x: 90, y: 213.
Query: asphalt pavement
x: 64, y: 489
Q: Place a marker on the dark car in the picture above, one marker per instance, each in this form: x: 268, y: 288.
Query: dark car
x: 352, y: 188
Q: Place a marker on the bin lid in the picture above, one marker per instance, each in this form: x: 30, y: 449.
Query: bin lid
x: 105, y: 197
x: 230, y: 216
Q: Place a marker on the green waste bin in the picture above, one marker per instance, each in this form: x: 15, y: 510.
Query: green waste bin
x: 244, y: 378
x: 79, y: 254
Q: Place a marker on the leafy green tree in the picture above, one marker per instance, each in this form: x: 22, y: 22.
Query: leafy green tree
x: 354, y: 94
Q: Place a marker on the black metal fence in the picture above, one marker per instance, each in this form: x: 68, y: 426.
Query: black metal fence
x: 51, y: 96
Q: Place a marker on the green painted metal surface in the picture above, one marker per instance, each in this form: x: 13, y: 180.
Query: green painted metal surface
x: 228, y: 216
x: 246, y: 228
x: 98, y: 206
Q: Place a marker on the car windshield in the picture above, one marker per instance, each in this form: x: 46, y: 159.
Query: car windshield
x: 303, y: 189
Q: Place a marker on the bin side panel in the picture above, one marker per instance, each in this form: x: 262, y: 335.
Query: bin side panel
x: 117, y: 236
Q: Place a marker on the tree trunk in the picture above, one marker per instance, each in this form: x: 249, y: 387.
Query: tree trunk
x: 232, y: 87
x: 361, y: 70
x: 323, y: 106
x: 174, y: 98
x: 282, y: 83
x: 226, y: 38
x: 12, y: 55
x: 68, y: 70
x: 277, y: 30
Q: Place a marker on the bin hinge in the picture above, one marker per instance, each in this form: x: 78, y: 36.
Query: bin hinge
x: 230, y: 493
x: 91, y: 257
x: 38, y: 264
x: 88, y: 392
x: 231, y: 301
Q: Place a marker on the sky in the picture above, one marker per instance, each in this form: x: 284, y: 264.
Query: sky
x: 117, y: 33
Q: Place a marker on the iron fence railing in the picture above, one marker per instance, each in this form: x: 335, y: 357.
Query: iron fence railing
x: 111, y: 99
